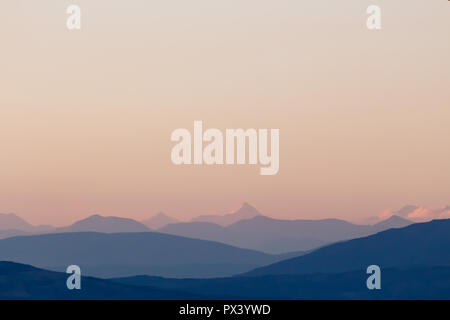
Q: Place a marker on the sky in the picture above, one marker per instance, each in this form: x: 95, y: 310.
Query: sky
x: 86, y: 116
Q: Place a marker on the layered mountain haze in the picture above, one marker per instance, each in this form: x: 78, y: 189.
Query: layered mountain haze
x: 250, y: 229
x: 414, y: 259
x: 279, y: 236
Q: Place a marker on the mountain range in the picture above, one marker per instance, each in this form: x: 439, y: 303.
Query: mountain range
x: 279, y: 236
x: 414, y: 262
x: 245, y: 228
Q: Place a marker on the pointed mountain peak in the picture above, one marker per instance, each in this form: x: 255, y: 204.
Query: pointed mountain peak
x: 247, y: 211
x: 247, y: 206
x: 13, y: 221
x: 158, y: 221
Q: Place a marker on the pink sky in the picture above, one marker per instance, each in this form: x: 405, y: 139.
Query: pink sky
x: 86, y: 117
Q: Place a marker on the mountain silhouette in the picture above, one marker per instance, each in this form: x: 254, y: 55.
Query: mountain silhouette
x: 13, y: 225
x: 279, y: 236
x: 97, y: 223
x: 245, y: 212
x: 159, y: 221
x: 13, y: 222
x: 125, y: 254
x: 418, y: 245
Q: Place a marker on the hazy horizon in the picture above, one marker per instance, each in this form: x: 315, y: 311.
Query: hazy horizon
x: 418, y: 214
x: 86, y: 116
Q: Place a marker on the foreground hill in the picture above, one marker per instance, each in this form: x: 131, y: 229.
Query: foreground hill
x: 18, y: 281
x: 421, y: 244
x: 399, y: 283
x: 24, y: 282
x: 278, y: 236
x: 125, y: 254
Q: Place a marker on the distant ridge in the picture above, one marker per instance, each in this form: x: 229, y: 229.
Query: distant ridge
x: 245, y: 212
x: 245, y: 228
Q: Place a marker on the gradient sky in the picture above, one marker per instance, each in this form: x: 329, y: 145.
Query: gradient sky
x: 86, y: 117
